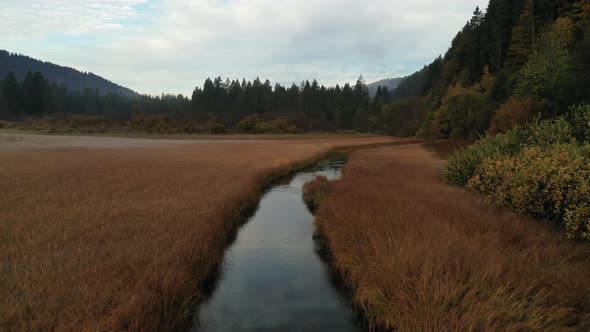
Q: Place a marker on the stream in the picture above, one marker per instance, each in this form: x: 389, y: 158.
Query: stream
x: 272, y: 278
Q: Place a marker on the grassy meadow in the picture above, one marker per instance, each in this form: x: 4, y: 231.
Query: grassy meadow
x: 123, y: 236
x: 421, y: 255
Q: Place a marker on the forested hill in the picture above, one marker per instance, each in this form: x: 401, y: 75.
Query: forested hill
x: 517, y: 60
x: 390, y: 83
x: 72, y: 79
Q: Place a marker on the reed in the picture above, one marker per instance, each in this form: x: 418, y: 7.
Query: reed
x: 420, y: 255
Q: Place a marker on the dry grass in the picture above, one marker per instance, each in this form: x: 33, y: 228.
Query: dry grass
x: 315, y: 191
x: 124, y: 239
x: 125, y: 133
x: 424, y: 256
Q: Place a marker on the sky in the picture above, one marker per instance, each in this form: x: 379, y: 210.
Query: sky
x: 171, y: 46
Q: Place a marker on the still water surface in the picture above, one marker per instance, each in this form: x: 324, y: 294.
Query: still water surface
x: 272, y: 278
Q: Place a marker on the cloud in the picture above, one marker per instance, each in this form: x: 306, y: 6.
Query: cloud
x: 30, y: 18
x: 179, y: 42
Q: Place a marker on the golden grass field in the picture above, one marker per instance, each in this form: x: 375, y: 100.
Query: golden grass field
x: 119, y: 234
x: 421, y: 255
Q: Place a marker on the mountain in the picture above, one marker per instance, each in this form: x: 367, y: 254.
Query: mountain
x: 390, y: 83
x: 74, y: 80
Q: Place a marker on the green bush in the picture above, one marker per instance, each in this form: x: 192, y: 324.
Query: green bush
x: 278, y: 126
x: 85, y: 121
x: 253, y: 124
x: 155, y: 124
x: 550, y: 184
x: 579, y: 119
x: 213, y: 126
x: 577, y: 221
x: 549, y: 132
x: 463, y: 164
x: 248, y: 123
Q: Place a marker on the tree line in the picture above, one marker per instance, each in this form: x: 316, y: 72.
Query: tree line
x: 310, y: 105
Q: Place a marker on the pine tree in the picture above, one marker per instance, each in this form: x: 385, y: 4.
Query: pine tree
x: 36, y: 92
x: 523, y: 37
x: 12, y: 94
x: 386, y: 97
x: 477, y: 18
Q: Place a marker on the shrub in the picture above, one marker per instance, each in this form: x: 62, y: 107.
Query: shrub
x: 513, y: 113
x: 83, y: 121
x: 284, y: 126
x: 8, y: 124
x: 255, y: 125
x: 457, y: 133
x: 278, y: 126
x: 464, y: 163
x: 35, y: 124
x: 349, y: 132
x: 192, y: 127
x: 579, y: 118
x: 155, y: 124
x: 315, y: 191
x: 248, y: 123
x: 577, y: 221
x: 213, y: 126
x: 80, y: 124
x: 547, y: 183
x: 549, y: 132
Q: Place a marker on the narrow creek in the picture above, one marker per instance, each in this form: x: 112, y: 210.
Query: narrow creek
x: 272, y: 278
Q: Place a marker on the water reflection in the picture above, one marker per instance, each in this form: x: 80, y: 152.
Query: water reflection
x: 272, y: 278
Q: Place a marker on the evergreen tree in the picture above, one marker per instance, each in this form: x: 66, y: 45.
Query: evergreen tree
x: 36, y: 94
x: 12, y: 93
x: 523, y: 37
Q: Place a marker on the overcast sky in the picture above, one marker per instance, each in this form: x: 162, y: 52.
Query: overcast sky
x: 155, y: 46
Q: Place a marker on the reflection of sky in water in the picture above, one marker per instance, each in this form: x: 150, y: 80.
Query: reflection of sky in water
x: 272, y: 278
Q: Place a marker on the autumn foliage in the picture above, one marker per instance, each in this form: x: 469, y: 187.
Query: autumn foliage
x: 513, y: 113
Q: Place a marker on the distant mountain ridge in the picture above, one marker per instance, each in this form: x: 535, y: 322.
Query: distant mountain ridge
x: 390, y: 83
x: 74, y: 80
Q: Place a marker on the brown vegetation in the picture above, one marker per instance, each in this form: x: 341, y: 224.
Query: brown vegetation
x: 124, y: 239
x: 161, y: 124
x: 421, y: 255
x: 315, y: 191
x: 514, y: 113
